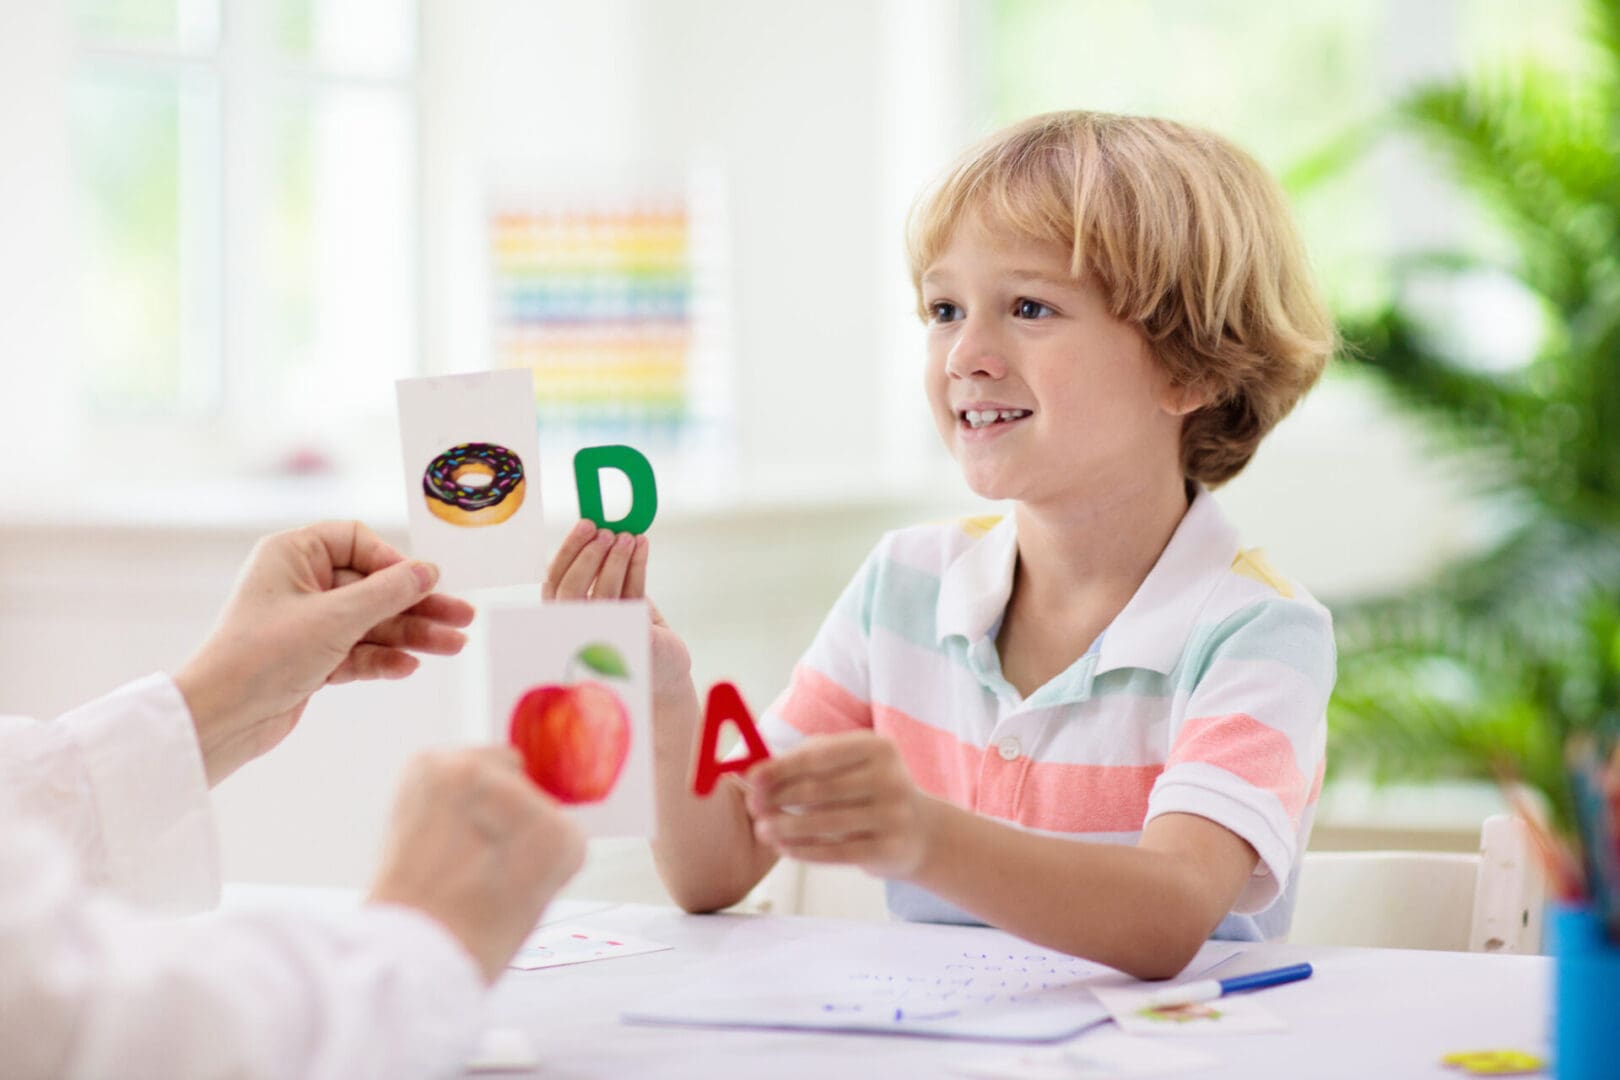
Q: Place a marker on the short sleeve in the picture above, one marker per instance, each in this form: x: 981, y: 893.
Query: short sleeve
x: 830, y: 690
x: 1248, y: 752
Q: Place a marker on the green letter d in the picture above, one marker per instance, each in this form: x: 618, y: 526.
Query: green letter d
x: 588, y: 466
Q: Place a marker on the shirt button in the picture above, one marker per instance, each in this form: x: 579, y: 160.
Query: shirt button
x: 1009, y: 749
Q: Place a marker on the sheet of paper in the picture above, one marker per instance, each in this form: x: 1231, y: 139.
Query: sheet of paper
x: 1233, y: 1014
x: 1104, y: 1054
x: 554, y: 946
x: 470, y: 451
x: 577, y: 679
x: 898, y: 978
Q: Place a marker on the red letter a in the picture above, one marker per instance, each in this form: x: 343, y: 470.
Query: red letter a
x: 725, y: 703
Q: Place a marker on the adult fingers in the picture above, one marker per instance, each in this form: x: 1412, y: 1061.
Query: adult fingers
x: 367, y: 661
x: 346, y: 545
x: 358, y: 547
x: 575, y: 542
x: 361, y: 605
x: 418, y: 635
x: 449, y: 610
x: 439, y: 607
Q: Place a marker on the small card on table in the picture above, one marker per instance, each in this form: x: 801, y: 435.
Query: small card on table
x: 555, y: 946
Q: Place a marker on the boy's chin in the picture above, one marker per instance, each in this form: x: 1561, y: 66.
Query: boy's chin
x: 995, y: 488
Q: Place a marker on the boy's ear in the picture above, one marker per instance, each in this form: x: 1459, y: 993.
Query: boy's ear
x: 1179, y: 400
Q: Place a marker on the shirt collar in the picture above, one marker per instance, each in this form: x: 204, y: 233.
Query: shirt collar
x: 1152, y: 629
x: 975, y: 588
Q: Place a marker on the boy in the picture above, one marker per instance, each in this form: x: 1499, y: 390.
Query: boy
x: 1097, y: 723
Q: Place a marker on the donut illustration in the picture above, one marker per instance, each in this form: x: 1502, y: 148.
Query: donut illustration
x: 474, y: 484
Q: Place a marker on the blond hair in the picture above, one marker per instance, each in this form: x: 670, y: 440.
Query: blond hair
x: 1190, y: 241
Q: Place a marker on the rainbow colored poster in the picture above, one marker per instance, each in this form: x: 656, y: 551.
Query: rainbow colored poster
x: 597, y: 299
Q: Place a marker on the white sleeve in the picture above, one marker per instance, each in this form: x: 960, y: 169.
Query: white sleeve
x: 89, y: 990
x: 121, y: 781
x: 1248, y: 750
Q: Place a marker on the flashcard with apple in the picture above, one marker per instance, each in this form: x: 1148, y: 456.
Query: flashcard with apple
x: 570, y: 687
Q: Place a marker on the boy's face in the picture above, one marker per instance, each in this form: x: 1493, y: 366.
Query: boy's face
x: 1039, y: 393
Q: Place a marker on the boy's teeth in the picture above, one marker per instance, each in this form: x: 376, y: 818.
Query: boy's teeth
x: 980, y: 418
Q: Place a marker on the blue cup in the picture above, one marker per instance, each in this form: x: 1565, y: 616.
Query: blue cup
x: 1586, y: 1018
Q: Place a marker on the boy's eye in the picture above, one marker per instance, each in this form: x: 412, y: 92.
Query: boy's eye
x: 1025, y: 308
x: 943, y: 311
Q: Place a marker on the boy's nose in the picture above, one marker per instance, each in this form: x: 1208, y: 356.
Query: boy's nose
x: 976, y: 354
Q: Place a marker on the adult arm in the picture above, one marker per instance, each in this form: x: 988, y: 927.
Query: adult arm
x: 121, y: 784
x: 88, y: 989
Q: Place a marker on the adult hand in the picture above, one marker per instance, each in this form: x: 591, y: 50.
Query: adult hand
x: 597, y: 564
x: 843, y: 798
x: 327, y: 603
x: 477, y: 847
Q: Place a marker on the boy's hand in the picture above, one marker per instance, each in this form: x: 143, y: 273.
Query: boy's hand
x: 843, y: 799
x: 597, y: 564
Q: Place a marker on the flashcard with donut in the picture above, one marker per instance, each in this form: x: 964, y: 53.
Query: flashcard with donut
x: 472, y: 477
x: 570, y: 685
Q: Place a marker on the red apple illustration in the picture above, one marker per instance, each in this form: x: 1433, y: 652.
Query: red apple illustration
x: 575, y: 736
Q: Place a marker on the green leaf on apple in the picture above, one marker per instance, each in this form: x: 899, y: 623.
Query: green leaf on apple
x: 603, y: 659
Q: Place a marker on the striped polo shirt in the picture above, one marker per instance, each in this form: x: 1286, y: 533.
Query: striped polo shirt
x: 1206, y: 695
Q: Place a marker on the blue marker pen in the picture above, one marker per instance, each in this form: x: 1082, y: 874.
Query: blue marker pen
x: 1210, y: 989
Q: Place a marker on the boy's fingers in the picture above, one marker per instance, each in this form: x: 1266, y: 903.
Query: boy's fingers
x: 818, y: 757
x: 575, y: 542
x: 852, y: 787
x: 610, y: 581
x: 823, y: 826
x: 852, y: 850
x: 575, y: 584
x: 635, y: 582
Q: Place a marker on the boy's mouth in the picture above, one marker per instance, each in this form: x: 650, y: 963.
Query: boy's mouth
x: 975, y: 419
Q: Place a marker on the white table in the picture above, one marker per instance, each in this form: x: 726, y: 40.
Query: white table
x: 1367, y: 1013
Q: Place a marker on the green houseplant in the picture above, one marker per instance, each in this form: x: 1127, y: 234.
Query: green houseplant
x: 1491, y: 665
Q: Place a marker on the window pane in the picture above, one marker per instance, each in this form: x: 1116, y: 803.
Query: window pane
x: 179, y: 25
x: 350, y: 37
x: 340, y: 251
x: 146, y: 146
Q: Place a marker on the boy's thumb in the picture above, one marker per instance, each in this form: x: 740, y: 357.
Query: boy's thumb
x: 382, y: 595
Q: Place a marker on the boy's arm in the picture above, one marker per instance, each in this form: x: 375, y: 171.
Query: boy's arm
x: 1223, y: 823
x: 1145, y: 910
x: 705, y: 848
